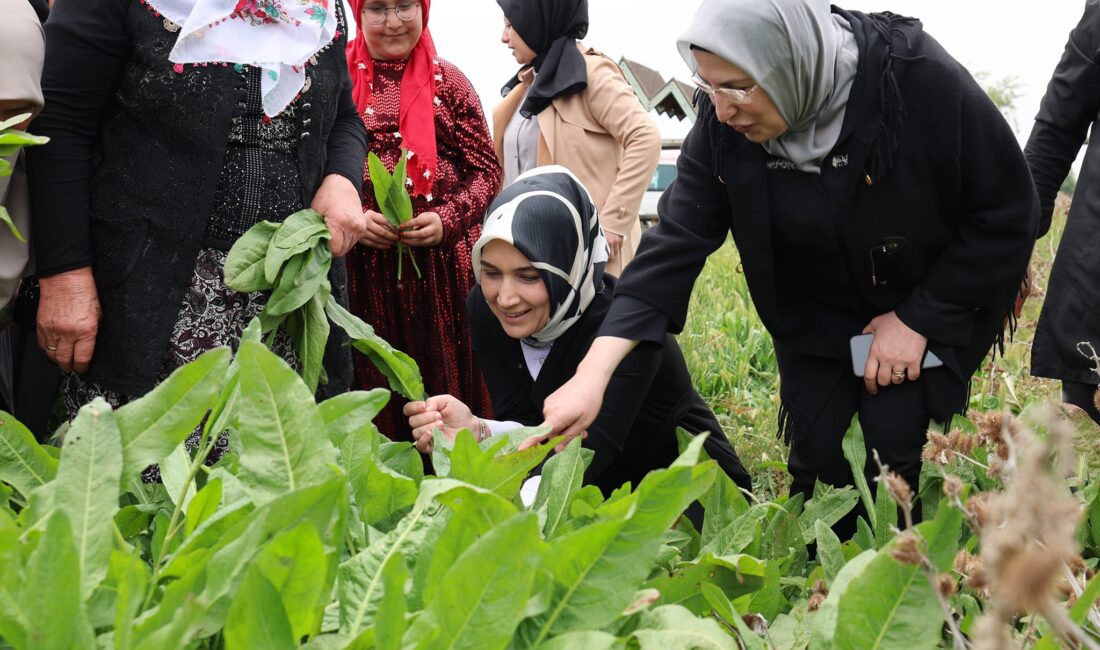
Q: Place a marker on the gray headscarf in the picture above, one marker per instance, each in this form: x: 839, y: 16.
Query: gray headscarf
x: 798, y: 52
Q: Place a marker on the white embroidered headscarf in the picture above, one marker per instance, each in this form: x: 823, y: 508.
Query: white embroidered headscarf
x: 799, y: 52
x: 278, y: 36
x: 549, y: 216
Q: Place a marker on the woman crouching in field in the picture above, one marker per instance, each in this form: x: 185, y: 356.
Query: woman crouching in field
x: 871, y: 187
x: 541, y: 298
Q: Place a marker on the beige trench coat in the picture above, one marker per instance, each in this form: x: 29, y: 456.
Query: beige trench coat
x: 605, y: 137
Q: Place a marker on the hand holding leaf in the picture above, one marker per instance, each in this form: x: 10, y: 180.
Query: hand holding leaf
x: 393, y: 199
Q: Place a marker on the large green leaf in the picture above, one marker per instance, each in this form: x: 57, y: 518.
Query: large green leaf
x: 131, y: 578
x: 321, y: 505
x: 735, y: 575
x: 562, y: 476
x: 588, y: 640
x: 381, y: 180
x: 398, y: 367
x: 829, y: 551
x: 296, y: 564
x: 829, y: 506
x: 892, y: 605
x: 257, y: 618
x: 50, y: 599
x: 204, y: 505
x: 87, y: 488
x: 23, y: 462
x: 352, y: 412
x: 382, y: 492
x: 825, y: 619
x: 674, y: 628
x: 284, y: 444
x: 738, y: 533
x: 360, y: 577
x: 501, y: 473
x: 722, y: 504
x: 886, y: 515
x: 244, y: 267
x: 298, y: 284
x: 308, y: 328
x: 297, y: 233
x: 390, y: 624
x: 475, y: 513
x: 154, y: 425
x: 481, y: 599
x: 598, y: 568
x: 174, y: 471
x: 855, y: 451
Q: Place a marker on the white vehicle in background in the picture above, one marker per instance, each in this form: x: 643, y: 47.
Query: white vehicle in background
x: 662, y: 176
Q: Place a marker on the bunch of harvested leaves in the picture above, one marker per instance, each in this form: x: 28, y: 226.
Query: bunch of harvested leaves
x: 292, y: 259
x: 393, y: 200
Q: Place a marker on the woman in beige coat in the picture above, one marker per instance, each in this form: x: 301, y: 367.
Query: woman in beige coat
x: 570, y: 105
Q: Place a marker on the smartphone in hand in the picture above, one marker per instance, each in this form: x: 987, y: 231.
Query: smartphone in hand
x: 861, y: 347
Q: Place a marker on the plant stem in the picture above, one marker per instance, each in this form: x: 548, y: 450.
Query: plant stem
x: 174, y: 523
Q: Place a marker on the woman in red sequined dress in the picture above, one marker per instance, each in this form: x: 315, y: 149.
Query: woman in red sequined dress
x: 409, y: 98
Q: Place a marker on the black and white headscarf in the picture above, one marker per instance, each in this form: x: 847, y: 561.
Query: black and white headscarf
x: 548, y: 215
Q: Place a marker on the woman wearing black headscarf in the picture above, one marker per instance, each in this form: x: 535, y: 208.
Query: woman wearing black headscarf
x: 570, y: 105
x: 541, y: 297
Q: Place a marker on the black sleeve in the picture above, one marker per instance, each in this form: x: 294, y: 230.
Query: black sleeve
x: 1069, y: 107
x: 347, y: 143
x: 634, y: 319
x: 694, y: 221
x: 87, y: 47
x: 510, y: 400
x: 999, y: 213
x: 621, y: 402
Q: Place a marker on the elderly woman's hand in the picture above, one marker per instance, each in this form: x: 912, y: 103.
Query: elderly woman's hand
x: 339, y: 203
x: 896, y: 353
x: 68, y: 318
x: 444, y: 412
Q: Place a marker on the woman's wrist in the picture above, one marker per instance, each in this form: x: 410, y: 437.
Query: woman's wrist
x: 481, y: 429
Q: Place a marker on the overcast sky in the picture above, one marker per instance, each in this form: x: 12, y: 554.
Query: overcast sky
x: 999, y: 37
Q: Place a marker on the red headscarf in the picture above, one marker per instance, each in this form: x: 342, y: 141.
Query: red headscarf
x: 416, y: 121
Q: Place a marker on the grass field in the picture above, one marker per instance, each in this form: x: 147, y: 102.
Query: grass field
x: 733, y: 365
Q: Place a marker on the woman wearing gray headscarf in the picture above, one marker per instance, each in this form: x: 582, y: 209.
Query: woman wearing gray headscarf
x: 871, y: 188
x: 22, y: 49
x: 542, y: 294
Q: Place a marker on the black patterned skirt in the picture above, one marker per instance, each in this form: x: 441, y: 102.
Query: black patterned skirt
x: 212, y: 315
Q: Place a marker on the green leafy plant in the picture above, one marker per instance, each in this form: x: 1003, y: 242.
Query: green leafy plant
x: 11, y: 141
x: 393, y: 200
x: 292, y: 260
x: 318, y: 532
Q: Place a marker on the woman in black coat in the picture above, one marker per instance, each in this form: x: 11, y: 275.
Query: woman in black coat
x: 1068, y: 337
x: 870, y: 187
x: 541, y: 298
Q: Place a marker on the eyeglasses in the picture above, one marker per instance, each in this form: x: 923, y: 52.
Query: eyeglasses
x: 735, y: 95
x: 376, y: 15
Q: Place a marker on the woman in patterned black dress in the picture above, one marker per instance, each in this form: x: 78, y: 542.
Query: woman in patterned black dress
x: 171, y: 135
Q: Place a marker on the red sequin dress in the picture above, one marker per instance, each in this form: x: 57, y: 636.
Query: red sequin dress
x: 426, y: 317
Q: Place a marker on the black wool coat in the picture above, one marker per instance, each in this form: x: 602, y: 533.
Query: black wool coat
x: 648, y: 397
x: 128, y: 179
x: 1070, y: 108
x: 924, y: 207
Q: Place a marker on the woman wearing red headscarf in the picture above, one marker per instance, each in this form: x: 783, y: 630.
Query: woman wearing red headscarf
x: 409, y: 97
